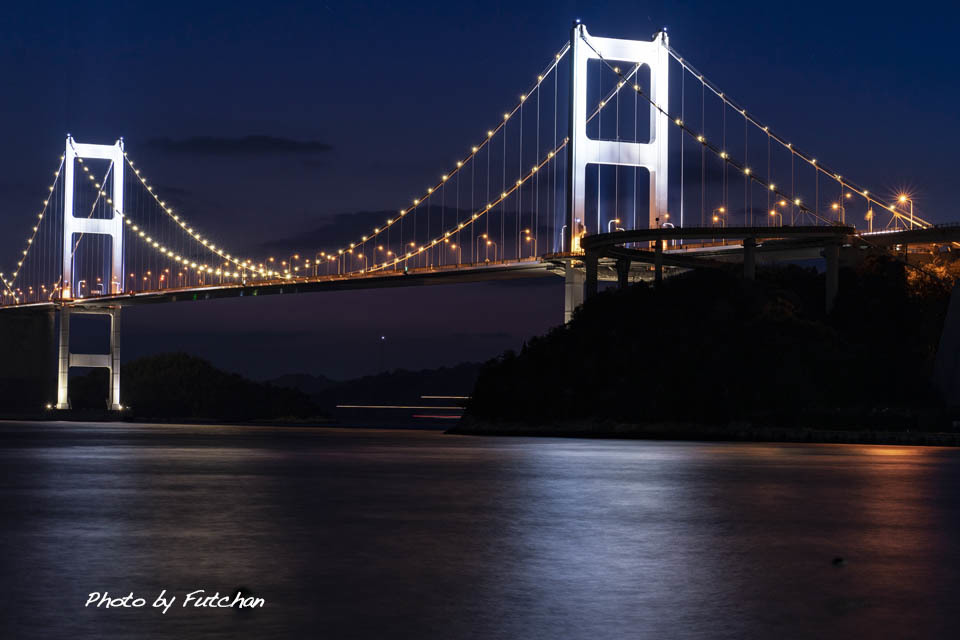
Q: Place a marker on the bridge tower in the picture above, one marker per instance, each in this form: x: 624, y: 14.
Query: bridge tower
x: 583, y: 150
x: 73, y: 227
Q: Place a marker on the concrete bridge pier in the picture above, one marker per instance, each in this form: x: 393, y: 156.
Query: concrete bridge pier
x: 658, y: 263
x: 623, y: 273
x: 572, y: 290
x: 592, y: 267
x: 109, y: 361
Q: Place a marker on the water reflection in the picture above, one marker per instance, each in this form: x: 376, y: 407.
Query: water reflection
x: 416, y: 534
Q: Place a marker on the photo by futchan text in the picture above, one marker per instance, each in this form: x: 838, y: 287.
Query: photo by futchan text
x: 196, y: 599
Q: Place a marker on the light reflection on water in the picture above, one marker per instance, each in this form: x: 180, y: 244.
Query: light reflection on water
x: 417, y: 534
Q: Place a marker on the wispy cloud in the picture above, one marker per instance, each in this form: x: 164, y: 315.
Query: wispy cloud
x: 245, y: 145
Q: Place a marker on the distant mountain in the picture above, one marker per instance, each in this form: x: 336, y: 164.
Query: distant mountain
x: 308, y: 384
x: 182, y: 386
x: 395, y: 387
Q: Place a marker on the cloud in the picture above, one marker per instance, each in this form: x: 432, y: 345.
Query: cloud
x: 246, y: 145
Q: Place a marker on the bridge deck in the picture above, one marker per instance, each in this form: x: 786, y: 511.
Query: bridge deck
x: 453, y: 274
x: 785, y: 243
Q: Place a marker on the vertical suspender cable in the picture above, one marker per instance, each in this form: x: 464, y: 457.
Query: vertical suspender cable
x: 683, y: 119
x: 536, y: 202
x: 520, y: 186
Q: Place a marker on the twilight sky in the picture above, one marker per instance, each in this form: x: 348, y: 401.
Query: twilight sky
x: 358, y: 105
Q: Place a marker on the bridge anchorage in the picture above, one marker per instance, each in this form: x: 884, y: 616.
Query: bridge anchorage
x: 620, y: 162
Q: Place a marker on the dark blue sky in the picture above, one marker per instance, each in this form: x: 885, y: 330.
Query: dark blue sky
x: 398, y: 91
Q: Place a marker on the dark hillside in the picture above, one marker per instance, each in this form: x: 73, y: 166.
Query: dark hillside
x: 710, y: 347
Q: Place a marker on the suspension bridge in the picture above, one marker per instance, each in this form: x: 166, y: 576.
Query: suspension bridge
x: 620, y: 161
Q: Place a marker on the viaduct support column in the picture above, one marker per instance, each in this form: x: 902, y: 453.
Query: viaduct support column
x: 572, y: 290
x: 623, y: 273
x: 750, y: 258
x: 658, y: 263
x: 591, y: 262
x: 831, y: 253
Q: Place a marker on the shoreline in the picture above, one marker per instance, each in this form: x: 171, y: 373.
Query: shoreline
x: 710, y: 433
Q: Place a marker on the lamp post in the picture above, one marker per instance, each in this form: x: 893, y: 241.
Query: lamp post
x: 776, y: 214
x: 382, y: 250
x: 903, y: 199
x: 532, y: 239
x: 482, y: 238
x: 613, y: 222
x: 838, y: 206
x: 520, y: 241
x: 719, y: 216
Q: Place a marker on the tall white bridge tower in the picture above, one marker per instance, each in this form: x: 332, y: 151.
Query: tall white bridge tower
x: 652, y: 155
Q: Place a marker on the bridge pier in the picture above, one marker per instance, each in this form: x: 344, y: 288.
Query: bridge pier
x: 623, y: 273
x: 572, y: 291
x: 109, y: 361
x: 658, y: 263
x: 592, y: 266
x: 750, y: 258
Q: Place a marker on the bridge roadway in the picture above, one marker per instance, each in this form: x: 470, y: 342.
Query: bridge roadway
x: 421, y: 276
x: 779, y: 243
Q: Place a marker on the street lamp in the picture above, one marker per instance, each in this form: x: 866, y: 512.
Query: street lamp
x: 491, y: 242
x: 482, y: 238
x: 532, y: 239
x: 520, y: 241
x: 718, y: 216
x: 612, y: 222
x: 774, y: 213
x: 903, y: 198
x: 838, y: 206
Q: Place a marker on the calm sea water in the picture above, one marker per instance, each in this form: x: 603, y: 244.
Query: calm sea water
x: 416, y: 534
